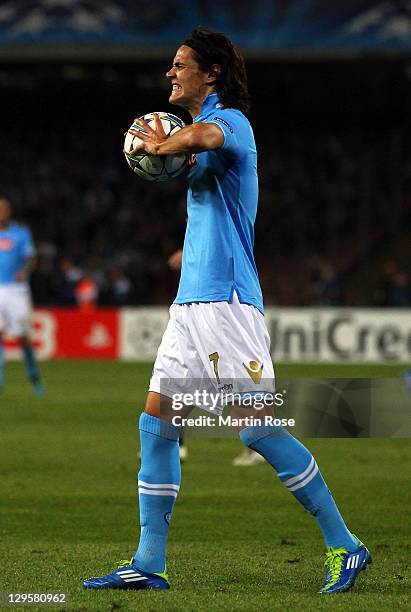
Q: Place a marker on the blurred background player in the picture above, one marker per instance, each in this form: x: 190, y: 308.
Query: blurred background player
x: 17, y: 260
x: 247, y: 457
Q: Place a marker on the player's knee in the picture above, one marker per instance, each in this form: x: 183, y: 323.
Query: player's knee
x: 162, y: 407
x: 152, y: 406
x: 254, y: 415
x: 158, y: 406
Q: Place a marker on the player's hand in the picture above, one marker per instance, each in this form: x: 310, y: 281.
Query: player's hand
x: 151, y: 138
x: 175, y: 260
x: 20, y: 276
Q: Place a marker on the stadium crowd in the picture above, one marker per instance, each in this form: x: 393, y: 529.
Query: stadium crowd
x: 323, y: 211
x: 333, y: 185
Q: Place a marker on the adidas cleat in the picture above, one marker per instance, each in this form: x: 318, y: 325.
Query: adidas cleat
x: 128, y: 576
x: 343, y: 568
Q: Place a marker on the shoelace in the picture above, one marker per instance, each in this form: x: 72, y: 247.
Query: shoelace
x: 125, y: 562
x: 334, y: 558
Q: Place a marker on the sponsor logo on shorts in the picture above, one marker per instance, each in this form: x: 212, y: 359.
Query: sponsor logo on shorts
x: 255, y: 371
x: 167, y: 517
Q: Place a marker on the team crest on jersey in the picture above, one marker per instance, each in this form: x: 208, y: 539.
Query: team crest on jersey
x: 192, y: 160
x: 6, y: 244
x: 255, y: 371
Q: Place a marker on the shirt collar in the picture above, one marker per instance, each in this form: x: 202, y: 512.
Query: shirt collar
x: 211, y: 101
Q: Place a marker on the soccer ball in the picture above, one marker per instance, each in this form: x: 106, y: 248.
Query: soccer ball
x: 155, y: 167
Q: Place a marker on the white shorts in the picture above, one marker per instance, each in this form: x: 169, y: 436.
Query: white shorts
x: 218, y: 346
x: 15, y: 310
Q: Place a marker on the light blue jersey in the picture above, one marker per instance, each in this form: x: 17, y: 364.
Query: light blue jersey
x: 16, y: 245
x: 221, y: 206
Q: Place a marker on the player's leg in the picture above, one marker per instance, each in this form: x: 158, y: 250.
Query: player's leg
x: 159, y: 476
x: 293, y: 462
x: 3, y: 328
x: 19, y: 315
x: 31, y: 363
x: 183, y: 450
x: 299, y: 472
x: 158, y: 485
x: 1, y: 363
x: 297, y: 469
x: 158, y: 481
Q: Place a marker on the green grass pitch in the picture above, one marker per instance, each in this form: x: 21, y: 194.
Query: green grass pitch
x: 238, y: 540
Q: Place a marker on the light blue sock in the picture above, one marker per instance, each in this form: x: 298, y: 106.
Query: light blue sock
x: 158, y: 484
x: 299, y: 472
x: 31, y: 363
x: 1, y: 365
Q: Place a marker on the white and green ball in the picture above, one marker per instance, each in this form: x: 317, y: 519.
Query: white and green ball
x: 155, y: 167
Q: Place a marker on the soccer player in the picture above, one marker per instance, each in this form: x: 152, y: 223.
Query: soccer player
x: 17, y: 260
x: 216, y: 326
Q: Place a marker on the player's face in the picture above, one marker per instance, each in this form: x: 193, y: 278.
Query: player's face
x: 190, y: 85
x: 4, y: 212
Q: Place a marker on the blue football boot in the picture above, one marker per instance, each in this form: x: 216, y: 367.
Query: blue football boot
x: 128, y: 576
x: 343, y: 567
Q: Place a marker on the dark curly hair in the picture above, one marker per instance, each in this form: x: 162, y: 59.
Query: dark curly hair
x: 215, y: 48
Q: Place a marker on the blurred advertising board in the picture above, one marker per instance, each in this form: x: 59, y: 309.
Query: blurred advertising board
x: 340, y: 335
x: 329, y: 335
x: 71, y: 334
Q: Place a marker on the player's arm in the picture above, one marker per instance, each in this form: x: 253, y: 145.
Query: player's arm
x: 23, y: 274
x: 175, y: 260
x: 194, y: 138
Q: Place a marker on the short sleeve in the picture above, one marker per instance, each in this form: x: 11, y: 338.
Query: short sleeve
x: 235, y: 128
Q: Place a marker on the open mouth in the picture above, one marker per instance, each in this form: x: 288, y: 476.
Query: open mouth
x: 176, y: 86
